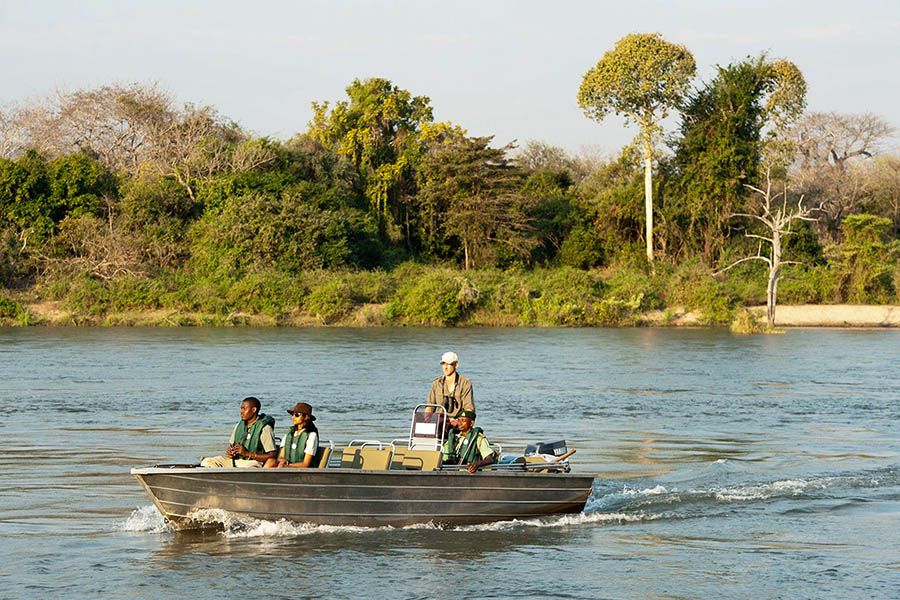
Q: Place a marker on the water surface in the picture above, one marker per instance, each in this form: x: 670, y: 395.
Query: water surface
x: 727, y: 466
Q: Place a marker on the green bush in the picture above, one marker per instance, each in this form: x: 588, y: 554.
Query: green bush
x: 271, y: 293
x: 582, y: 248
x: 745, y: 322
x: 329, y: 302
x: 711, y: 299
x: 864, y: 263
x: 566, y: 296
x: 10, y: 309
x: 86, y: 295
x: 802, y: 285
x: 626, y: 284
x: 439, y: 297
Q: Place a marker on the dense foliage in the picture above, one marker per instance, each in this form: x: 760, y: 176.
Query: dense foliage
x: 114, y: 201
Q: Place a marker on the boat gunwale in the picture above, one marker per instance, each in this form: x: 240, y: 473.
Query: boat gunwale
x: 390, y: 472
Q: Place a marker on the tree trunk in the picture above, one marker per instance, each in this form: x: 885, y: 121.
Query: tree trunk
x: 466, y: 249
x: 648, y: 192
x: 774, y: 274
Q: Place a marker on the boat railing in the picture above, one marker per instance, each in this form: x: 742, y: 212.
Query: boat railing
x: 542, y: 467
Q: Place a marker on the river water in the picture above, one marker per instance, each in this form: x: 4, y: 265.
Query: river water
x: 726, y: 466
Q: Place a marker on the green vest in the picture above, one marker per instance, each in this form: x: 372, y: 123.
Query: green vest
x: 250, y: 440
x: 295, y: 454
x: 468, y: 450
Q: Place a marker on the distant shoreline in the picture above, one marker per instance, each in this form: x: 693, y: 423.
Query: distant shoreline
x: 372, y: 315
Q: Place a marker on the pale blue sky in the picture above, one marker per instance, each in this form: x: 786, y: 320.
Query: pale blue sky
x: 509, y: 68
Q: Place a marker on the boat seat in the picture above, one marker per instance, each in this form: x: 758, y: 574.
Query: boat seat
x: 371, y: 459
x: 416, y: 460
x: 322, y: 455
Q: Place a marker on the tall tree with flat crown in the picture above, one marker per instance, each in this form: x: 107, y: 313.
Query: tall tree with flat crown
x: 642, y: 78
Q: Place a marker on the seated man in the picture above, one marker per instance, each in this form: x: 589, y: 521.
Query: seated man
x: 298, y: 450
x: 252, y: 442
x: 466, y: 445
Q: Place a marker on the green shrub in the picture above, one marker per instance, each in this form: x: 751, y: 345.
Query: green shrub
x: 863, y: 263
x: 711, y: 299
x: 10, y: 309
x: 626, y: 284
x: 370, y: 287
x: 329, y: 302
x: 566, y: 296
x: 582, y: 248
x: 271, y: 293
x: 86, y: 295
x: 802, y: 285
x: 746, y: 322
x: 439, y: 297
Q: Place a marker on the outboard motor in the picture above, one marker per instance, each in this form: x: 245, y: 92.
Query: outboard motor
x: 547, y: 450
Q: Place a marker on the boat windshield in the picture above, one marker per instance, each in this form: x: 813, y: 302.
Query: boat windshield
x: 428, y: 427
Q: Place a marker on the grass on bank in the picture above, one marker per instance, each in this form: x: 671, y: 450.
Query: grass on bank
x: 415, y: 294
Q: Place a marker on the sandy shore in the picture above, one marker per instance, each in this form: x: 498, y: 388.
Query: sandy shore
x: 372, y: 315
x: 802, y: 315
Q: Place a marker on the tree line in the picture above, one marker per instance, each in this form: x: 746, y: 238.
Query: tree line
x: 121, y: 182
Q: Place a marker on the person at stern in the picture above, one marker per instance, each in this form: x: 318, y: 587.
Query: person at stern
x: 466, y: 444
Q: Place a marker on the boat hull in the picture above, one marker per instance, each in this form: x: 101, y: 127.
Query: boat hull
x: 361, y: 498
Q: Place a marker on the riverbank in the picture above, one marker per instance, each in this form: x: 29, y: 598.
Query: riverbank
x: 51, y: 313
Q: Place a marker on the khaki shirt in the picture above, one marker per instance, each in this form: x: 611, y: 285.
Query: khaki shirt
x: 461, y: 398
x: 482, y: 443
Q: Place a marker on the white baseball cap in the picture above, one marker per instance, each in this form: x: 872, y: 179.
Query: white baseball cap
x: 449, y: 358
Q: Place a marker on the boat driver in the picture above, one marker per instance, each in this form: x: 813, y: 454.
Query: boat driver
x: 451, y: 390
x: 252, y: 441
x: 466, y: 445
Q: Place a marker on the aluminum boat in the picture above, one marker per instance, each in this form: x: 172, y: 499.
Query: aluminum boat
x: 369, y: 483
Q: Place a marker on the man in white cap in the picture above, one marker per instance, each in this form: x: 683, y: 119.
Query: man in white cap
x: 451, y: 390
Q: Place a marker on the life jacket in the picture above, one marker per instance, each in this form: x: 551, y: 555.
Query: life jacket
x: 468, y: 451
x: 294, y: 445
x: 250, y: 439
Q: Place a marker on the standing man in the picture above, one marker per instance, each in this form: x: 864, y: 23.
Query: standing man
x: 451, y: 390
x: 252, y: 441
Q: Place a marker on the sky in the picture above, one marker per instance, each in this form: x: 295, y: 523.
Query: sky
x: 508, y: 68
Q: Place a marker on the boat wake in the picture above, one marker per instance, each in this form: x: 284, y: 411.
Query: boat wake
x: 146, y: 519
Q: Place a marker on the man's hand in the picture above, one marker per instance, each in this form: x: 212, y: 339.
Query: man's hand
x: 237, y: 451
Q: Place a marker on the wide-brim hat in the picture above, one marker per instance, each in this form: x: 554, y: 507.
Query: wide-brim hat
x: 302, y: 407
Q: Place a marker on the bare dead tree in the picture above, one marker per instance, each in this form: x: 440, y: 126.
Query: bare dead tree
x: 111, y: 122
x: 777, y: 219
x: 194, y: 146
x: 87, y: 244
x: 251, y: 155
x: 134, y: 129
x: 13, y: 136
x: 834, y: 138
x: 830, y: 148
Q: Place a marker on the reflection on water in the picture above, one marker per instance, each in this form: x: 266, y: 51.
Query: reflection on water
x: 727, y: 466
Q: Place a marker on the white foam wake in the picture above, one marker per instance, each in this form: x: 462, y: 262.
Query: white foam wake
x: 146, y: 519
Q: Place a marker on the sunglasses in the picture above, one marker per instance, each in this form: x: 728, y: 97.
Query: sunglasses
x: 297, y: 414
